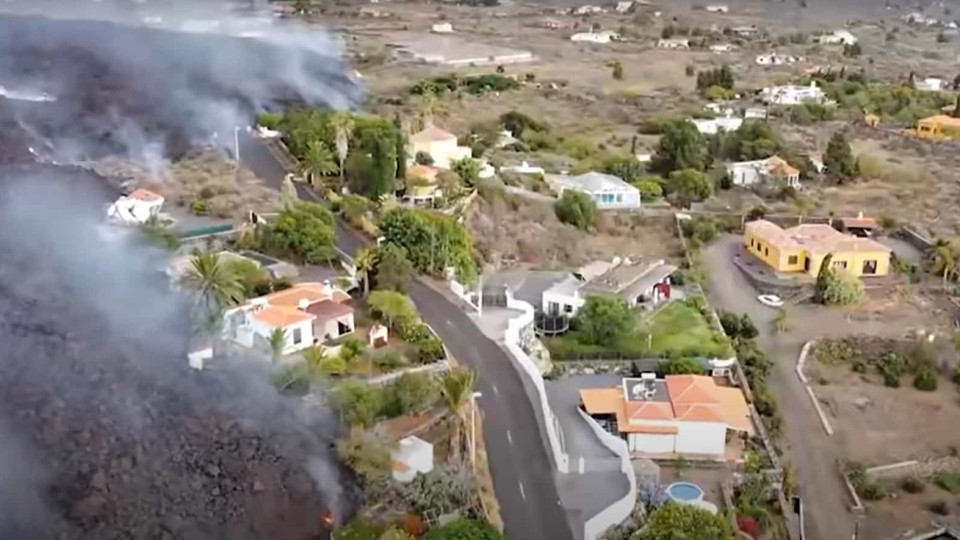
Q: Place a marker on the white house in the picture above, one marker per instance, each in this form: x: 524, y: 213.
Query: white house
x: 136, y: 208
x: 308, y: 313
x: 841, y: 37
x: 718, y: 8
x: 930, y: 84
x: 441, y: 145
x: 754, y: 113
x: 442, y: 28
x: 719, y: 48
x: 608, y: 191
x: 774, y: 59
x: 624, y: 6
x: 675, y: 43
x: 413, y: 455
x: 587, y: 10
x: 713, y: 125
x: 679, y: 415
x: 523, y: 168
x: 771, y: 169
x: 606, y: 36
x: 793, y: 94
x: 639, y: 283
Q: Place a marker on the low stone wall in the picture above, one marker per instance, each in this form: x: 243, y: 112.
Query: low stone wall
x: 918, y: 469
x: 620, y: 510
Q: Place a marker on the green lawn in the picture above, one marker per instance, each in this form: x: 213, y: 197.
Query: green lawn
x: 679, y: 329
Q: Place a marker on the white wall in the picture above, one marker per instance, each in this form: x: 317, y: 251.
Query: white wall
x: 621, y: 509
x: 512, y: 341
x: 562, y: 300
x: 629, y: 199
x: 660, y: 443
x: 306, y: 334
x: 703, y: 438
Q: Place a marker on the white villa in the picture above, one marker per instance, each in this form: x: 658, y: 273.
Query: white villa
x: 675, y: 43
x: 793, y: 94
x: 718, y: 8
x: 608, y: 191
x: 309, y: 313
x: 714, y: 125
x: 523, y: 168
x: 841, y: 37
x: 605, y: 36
x: 412, y: 456
x: 771, y: 169
x: 442, y: 28
x: 441, y: 145
x: 930, y: 84
x: 136, y: 208
x: 643, y: 282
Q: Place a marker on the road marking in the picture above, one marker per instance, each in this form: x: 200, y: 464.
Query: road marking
x: 509, y: 438
x: 450, y: 324
x: 522, y: 493
x: 495, y: 389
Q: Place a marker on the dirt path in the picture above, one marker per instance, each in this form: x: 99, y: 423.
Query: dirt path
x: 808, y: 450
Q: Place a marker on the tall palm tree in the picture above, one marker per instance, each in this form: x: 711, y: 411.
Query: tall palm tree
x: 278, y: 342
x: 456, y: 387
x: 430, y: 108
x: 342, y: 125
x: 216, y: 286
x: 944, y: 259
x: 318, y: 161
x: 365, y: 261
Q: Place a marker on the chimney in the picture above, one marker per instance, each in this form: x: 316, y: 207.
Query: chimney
x: 326, y: 289
x: 303, y: 304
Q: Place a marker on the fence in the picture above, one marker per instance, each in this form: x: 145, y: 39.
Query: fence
x: 619, y: 510
x: 512, y: 341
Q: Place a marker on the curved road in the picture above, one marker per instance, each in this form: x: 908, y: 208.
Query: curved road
x: 523, y: 475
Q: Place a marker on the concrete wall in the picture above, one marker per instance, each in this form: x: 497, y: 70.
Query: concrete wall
x: 512, y: 341
x: 701, y: 438
x: 620, y: 510
x: 652, y: 443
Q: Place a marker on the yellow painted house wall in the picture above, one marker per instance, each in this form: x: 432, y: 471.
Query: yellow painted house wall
x: 779, y: 259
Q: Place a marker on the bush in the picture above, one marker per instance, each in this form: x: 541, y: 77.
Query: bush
x: 577, y: 209
x: 891, y: 368
x: 939, y: 507
x: 872, y: 491
x: 925, y: 380
x: 912, y: 484
x: 423, y: 158
x: 947, y: 480
x: 650, y: 188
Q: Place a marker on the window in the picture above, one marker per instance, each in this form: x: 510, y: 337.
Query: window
x: 751, y: 242
x: 869, y: 267
x: 567, y: 308
x: 297, y: 336
x: 792, y: 259
x: 766, y: 251
x: 619, y: 197
x: 842, y: 265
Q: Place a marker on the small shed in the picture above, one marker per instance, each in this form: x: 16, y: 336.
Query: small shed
x: 863, y: 227
x: 413, y: 455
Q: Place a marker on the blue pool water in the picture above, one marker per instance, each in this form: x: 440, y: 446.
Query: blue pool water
x: 684, y: 491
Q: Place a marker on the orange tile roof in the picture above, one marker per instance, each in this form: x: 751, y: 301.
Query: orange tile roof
x: 602, y: 400
x: 650, y: 430
x: 424, y: 172
x: 311, y: 292
x: 778, y: 166
x: 281, y: 317
x: 145, y: 195
x: 432, y: 134
x: 649, y: 410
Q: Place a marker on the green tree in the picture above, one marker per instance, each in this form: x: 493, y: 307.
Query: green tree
x: 780, y: 321
x: 318, y: 161
x: 468, y: 169
x: 278, y: 342
x: 674, y: 521
x: 301, y: 7
x: 943, y: 259
x: 463, y: 529
x: 248, y: 274
x: 627, y: 168
x: 359, y: 404
x: 680, y: 366
x: 393, y: 269
x: 412, y: 392
x: 365, y: 262
x: 852, y: 51
x: 366, y: 454
x: 753, y: 140
x: 456, y: 388
x: 423, y: 158
x: 841, y: 287
x: 342, y: 124
x: 617, y: 70
x: 689, y: 185
x: 517, y: 123
x: 577, y: 209
x: 433, y: 241
x: 216, y: 287
x: 650, y: 188
x: 604, y: 319
x: 376, y: 144
x: 721, y: 77
x: 395, y: 309
x: 395, y: 533
x: 839, y: 159
x: 305, y: 231
x: 681, y: 147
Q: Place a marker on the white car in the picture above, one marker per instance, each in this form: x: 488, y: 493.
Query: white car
x: 771, y: 300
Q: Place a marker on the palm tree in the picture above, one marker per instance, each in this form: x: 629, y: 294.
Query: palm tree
x: 278, y: 342
x: 780, y: 321
x: 342, y: 125
x: 430, y: 108
x: 365, y: 261
x: 318, y: 160
x: 944, y: 259
x: 456, y: 386
x: 216, y: 287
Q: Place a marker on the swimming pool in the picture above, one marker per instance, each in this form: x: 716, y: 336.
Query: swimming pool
x: 685, y: 492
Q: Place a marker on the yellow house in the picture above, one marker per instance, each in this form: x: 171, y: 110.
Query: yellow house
x: 802, y: 249
x: 441, y: 145
x: 939, y: 127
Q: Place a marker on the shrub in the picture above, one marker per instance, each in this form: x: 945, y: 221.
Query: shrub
x: 925, y: 380
x: 912, y: 484
x: 891, y: 367
x: 577, y: 209
x: 947, y: 480
x: 199, y: 207
x: 872, y: 491
x: 650, y: 188
x: 939, y: 507
x: 423, y: 158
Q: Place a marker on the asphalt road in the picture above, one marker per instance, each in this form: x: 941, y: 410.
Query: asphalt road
x: 521, y: 469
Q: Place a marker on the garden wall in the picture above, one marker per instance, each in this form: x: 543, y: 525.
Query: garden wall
x: 512, y: 341
x: 620, y: 510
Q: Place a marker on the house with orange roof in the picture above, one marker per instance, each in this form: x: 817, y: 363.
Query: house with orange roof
x: 687, y: 415
x: 136, y: 208
x: 309, y: 313
x: 802, y: 249
x: 763, y: 171
x: 439, y: 144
